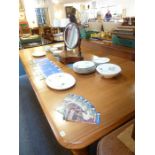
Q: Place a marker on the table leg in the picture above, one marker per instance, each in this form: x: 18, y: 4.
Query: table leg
x: 80, y: 152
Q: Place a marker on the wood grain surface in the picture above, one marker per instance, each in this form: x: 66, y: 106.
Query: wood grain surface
x: 113, y: 98
x: 107, y: 48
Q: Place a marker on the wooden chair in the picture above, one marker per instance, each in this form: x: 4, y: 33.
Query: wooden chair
x: 47, y: 34
x: 119, y: 141
x: 35, y: 30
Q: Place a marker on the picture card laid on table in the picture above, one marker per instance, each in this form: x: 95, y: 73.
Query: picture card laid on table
x: 78, y: 109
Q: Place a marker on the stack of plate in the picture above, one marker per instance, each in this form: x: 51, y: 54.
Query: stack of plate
x: 84, y: 67
x: 108, y: 70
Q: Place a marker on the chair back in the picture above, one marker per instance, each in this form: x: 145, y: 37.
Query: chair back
x: 118, y: 142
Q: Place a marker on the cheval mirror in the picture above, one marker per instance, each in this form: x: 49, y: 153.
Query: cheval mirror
x: 72, y: 51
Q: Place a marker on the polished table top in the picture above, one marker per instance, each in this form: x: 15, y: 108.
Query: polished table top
x: 113, y: 98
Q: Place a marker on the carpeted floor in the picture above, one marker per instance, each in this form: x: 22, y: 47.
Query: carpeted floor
x: 35, y: 135
x: 21, y: 68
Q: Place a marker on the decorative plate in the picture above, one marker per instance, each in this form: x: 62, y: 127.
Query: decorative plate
x: 38, y: 53
x: 100, y: 60
x: 60, y: 81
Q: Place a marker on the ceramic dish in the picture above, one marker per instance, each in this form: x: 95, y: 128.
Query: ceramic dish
x: 84, y: 67
x: 60, y: 81
x: 38, y: 53
x: 53, y: 48
x: 100, y: 60
x: 86, y: 71
x: 57, y: 52
x: 108, y: 70
x: 58, y: 45
x: 47, y: 48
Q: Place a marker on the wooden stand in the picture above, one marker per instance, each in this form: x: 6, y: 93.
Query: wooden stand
x: 71, y: 56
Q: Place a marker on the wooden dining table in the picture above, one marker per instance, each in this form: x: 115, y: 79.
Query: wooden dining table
x: 114, y: 98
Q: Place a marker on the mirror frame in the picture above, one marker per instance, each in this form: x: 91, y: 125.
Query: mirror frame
x: 78, y: 42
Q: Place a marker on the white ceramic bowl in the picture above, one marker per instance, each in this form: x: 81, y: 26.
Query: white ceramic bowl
x: 108, y: 70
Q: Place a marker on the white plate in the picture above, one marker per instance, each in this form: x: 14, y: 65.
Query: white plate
x: 84, y: 67
x: 60, y: 81
x: 58, y: 34
x: 38, y: 53
x: 26, y: 35
x: 53, y: 49
x: 108, y: 70
x: 100, y: 60
x: 57, y: 52
x: 58, y: 45
x: 47, y: 48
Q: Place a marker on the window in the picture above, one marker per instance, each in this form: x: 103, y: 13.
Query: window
x: 42, y: 16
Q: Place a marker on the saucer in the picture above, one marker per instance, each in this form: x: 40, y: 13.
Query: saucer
x: 58, y: 45
x: 47, y: 48
x: 38, y: 53
x: 100, y: 60
x: 57, y: 52
x: 53, y: 49
x: 60, y: 81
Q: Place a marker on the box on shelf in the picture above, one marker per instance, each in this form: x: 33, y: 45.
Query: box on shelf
x: 123, y: 41
x: 85, y: 34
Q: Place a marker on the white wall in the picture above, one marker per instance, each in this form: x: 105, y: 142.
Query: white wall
x: 57, y: 11
x: 30, y: 6
x: 129, y: 5
x: 116, y: 6
x: 30, y: 13
x: 50, y: 11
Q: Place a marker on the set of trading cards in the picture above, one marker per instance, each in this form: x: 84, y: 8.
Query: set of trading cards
x: 43, y: 67
x: 78, y: 109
